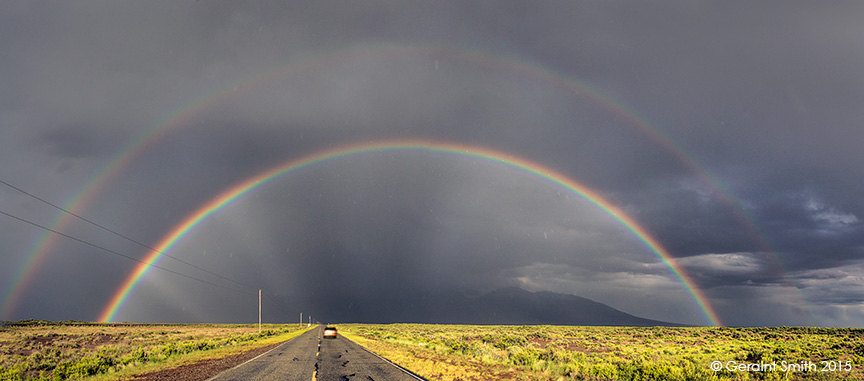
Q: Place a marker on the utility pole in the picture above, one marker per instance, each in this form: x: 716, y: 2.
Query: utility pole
x: 259, y: 310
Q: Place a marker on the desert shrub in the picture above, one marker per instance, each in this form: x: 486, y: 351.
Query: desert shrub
x: 457, y: 345
x: 648, y: 370
x: 509, y: 340
x: 137, y: 356
x: 523, y: 356
x: 162, y: 352
x: 541, y: 333
x: 604, y: 371
x: 554, y: 355
x: 197, y: 345
x: 486, y: 338
x: 11, y: 374
x: 87, y: 366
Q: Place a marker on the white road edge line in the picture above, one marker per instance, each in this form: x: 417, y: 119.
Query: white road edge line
x: 406, y: 371
x: 248, y: 361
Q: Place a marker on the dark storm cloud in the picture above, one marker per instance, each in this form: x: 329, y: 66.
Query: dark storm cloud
x: 77, y: 141
x: 763, y: 99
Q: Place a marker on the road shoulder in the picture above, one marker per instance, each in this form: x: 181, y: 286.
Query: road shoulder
x: 203, y: 369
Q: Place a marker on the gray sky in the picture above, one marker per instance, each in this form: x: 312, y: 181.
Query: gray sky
x: 730, y: 131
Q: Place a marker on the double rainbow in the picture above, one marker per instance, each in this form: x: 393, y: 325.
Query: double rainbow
x: 478, y: 153
x: 27, y: 270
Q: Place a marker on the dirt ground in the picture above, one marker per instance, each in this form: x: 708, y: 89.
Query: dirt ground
x: 204, y: 369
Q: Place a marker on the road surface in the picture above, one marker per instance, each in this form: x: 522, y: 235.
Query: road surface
x: 309, y: 357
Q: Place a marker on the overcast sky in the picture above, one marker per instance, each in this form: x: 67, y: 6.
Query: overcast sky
x: 730, y: 131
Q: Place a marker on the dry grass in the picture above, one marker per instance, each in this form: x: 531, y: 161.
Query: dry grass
x: 463, y: 352
x: 433, y: 365
x: 42, y: 350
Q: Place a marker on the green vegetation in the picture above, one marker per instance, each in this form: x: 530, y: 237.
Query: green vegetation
x: 36, y: 350
x: 616, y: 353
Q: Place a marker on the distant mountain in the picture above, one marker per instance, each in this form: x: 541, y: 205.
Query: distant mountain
x: 503, y: 306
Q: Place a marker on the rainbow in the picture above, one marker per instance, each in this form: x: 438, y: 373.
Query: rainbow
x: 127, y: 155
x: 237, y: 191
x: 102, y: 178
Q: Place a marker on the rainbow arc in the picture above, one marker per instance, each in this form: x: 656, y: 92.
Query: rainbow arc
x: 541, y: 172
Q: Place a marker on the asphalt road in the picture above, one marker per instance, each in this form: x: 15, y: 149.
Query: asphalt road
x: 309, y: 357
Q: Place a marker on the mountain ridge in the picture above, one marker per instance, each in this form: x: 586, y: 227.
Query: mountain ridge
x: 510, y: 305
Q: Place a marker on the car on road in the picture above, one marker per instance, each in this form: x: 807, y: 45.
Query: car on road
x: 329, y: 332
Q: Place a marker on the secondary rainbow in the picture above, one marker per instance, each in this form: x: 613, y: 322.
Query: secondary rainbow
x: 26, y: 273
x: 27, y: 270
x: 239, y: 190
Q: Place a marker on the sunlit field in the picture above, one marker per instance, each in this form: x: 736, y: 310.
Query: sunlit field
x: 37, y: 350
x: 463, y: 352
x: 56, y: 351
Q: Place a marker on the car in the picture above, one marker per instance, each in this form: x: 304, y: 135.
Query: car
x: 329, y: 332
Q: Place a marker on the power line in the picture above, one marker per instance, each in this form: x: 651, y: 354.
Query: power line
x: 120, y: 254
x: 148, y: 247
x: 278, y: 305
